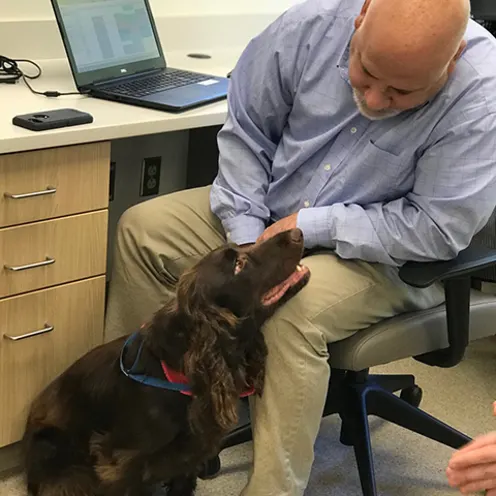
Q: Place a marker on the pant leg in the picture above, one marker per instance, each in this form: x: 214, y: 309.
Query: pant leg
x: 157, y: 240
x: 341, y: 298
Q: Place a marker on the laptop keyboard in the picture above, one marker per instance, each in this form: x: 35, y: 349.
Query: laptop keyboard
x: 172, y: 78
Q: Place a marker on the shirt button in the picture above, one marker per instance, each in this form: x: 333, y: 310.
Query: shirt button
x: 306, y: 204
x: 354, y: 130
x: 327, y: 167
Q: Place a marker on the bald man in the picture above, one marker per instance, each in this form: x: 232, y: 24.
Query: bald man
x: 372, y: 128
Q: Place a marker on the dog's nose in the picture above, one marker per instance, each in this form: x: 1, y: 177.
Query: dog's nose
x: 296, y: 235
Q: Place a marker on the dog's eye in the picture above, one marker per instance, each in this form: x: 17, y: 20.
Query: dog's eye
x: 240, y: 265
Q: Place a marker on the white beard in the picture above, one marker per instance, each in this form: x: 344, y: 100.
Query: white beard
x: 373, y: 115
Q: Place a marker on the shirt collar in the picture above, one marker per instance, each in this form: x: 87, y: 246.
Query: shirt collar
x: 344, y: 59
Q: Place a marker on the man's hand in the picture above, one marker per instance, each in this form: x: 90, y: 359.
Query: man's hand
x: 473, y: 468
x: 282, y: 225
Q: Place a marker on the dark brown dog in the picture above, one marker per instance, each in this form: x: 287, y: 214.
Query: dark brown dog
x: 94, y: 431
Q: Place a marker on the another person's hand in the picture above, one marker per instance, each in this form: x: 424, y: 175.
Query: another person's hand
x: 473, y: 467
x: 282, y: 225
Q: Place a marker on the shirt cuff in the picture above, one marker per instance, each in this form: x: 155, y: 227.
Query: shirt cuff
x: 243, y: 229
x: 317, y: 226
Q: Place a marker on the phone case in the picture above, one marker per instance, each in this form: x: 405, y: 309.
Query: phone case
x: 52, y: 119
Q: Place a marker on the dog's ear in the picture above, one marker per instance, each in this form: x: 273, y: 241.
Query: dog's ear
x: 212, y: 371
x: 169, y: 330
x: 166, y: 335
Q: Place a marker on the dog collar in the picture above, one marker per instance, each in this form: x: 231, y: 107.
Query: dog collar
x: 144, y: 379
x: 172, y: 381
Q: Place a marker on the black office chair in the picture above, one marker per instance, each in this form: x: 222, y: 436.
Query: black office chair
x: 436, y: 337
x: 483, y: 9
x: 484, y: 12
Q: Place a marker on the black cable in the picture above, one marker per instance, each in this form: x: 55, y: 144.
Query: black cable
x: 10, y: 73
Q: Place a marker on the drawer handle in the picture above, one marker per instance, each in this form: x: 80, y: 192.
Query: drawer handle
x: 47, y: 328
x: 13, y: 268
x: 49, y: 191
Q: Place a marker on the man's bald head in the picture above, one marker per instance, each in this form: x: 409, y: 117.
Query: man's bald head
x: 411, y: 45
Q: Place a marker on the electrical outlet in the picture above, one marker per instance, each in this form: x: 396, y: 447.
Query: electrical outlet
x: 150, y: 176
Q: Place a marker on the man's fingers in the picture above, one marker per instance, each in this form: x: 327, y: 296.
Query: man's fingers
x: 472, y: 474
x: 478, y: 442
x: 483, y: 454
x: 480, y: 485
x: 268, y: 233
x: 262, y: 238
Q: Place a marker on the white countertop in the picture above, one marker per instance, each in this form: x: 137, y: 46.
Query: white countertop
x: 111, y: 120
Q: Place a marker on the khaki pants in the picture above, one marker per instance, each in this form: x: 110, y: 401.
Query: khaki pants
x: 158, y: 239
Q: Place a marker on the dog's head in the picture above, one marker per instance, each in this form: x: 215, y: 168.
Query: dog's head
x: 248, y: 283
x: 214, y: 323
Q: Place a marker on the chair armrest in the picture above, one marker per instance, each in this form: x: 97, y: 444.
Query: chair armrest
x: 470, y: 260
x: 455, y: 274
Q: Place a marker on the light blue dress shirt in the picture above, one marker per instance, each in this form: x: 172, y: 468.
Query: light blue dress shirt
x: 417, y: 186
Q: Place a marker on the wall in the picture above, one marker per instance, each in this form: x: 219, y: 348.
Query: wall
x: 127, y: 155
x: 28, y: 28
x: 39, y: 9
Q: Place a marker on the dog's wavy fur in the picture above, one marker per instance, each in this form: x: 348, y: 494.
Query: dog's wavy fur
x: 95, y: 432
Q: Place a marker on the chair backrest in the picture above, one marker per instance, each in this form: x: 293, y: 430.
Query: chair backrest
x: 487, y: 237
x: 484, y: 10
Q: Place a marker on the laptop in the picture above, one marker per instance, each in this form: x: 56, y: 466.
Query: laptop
x: 115, y: 54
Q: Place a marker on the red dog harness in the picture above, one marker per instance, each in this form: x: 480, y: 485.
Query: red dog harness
x: 172, y: 381
x: 175, y: 377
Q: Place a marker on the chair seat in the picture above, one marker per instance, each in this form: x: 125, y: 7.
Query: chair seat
x: 410, y: 334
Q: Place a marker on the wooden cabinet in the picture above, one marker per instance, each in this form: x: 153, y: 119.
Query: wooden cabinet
x: 53, y: 183
x: 53, y: 250
x: 62, y: 323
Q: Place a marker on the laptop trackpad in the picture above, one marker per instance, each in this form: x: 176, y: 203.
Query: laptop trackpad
x: 191, y: 93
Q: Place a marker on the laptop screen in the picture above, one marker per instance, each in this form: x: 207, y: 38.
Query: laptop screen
x: 107, y: 37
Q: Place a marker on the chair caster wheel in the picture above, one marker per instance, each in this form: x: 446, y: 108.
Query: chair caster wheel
x: 412, y: 395
x: 210, y: 469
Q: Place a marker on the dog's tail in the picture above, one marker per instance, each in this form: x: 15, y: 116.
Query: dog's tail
x: 50, y: 461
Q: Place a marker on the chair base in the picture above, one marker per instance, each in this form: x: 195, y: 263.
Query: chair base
x: 355, y: 396
x: 367, y: 397
x: 211, y: 469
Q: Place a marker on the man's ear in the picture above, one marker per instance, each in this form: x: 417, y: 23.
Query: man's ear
x: 359, y: 20
x: 458, y: 54
x: 214, y: 382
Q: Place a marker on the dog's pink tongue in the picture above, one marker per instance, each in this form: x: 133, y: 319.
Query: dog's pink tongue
x: 277, y: 292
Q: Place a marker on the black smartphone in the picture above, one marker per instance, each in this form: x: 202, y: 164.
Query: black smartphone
x: 52, y: 119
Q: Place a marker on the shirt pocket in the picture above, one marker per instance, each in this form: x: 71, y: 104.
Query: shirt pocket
x: 382, y: 175
x: 383, y: 162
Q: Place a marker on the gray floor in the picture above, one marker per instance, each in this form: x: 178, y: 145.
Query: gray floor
x: 406, y: 464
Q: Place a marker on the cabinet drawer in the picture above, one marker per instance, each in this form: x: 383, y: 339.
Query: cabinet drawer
x: 45, y: 184
x: 72, y: 318
x: 43, y: 254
